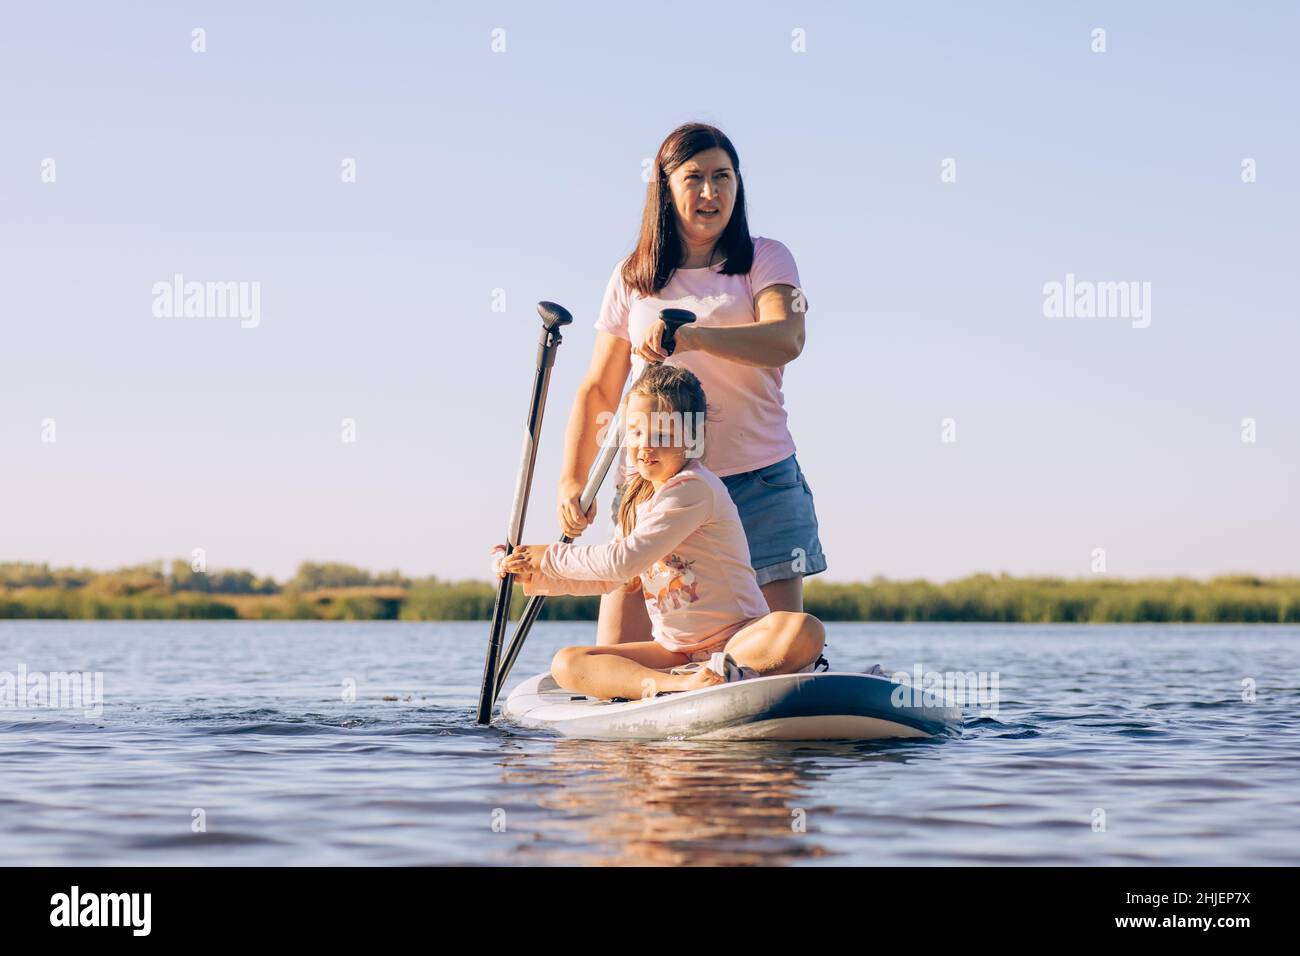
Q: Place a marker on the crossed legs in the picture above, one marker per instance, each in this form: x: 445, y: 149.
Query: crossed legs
x: 780, y: 642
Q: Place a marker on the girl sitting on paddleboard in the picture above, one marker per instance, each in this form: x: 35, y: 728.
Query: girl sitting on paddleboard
x: 681, y: 543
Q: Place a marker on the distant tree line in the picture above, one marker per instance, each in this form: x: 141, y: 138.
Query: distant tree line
x: 151, y: 578
x: 345, y: 592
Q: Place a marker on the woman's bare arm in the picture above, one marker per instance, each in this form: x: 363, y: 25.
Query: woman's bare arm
x: 775, y: 339
x: 600, y: 392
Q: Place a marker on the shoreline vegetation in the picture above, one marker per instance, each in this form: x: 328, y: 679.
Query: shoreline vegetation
x: 343, y: 592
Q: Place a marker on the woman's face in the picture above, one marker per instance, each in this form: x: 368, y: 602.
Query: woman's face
x: 704, y: 182
x: 654, y: 439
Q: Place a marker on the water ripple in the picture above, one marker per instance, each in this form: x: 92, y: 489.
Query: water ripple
x: 329, y: 743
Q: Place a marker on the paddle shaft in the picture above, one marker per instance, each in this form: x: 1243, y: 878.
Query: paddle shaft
x: 613, y: 443
x: 554, y: 318
x: 673, y: 319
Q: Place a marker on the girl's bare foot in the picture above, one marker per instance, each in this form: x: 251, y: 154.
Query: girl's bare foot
x: 704, y: 677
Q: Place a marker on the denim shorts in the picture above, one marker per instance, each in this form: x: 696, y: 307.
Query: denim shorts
x: 776, y: 508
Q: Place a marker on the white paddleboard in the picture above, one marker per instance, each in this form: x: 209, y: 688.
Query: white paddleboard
x: 824, y: 706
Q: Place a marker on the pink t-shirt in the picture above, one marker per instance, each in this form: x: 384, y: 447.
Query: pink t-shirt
x: 749, y: 430
x: 690, y: 552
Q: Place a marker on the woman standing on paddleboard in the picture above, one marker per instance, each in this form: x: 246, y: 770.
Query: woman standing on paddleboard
x: 695, y: 252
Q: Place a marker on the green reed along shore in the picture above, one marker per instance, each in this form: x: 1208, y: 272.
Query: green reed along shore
x: 343, y: 592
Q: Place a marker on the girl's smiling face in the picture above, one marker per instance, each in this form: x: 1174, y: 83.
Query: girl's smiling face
x: 655, y: 439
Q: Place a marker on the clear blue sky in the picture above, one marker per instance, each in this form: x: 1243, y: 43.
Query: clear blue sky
x: 521, y: 171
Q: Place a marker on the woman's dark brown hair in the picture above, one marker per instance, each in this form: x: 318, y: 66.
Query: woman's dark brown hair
x: 674, y: 390
x: 658, y: 250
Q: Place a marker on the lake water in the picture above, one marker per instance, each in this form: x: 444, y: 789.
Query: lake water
x: 1111, y: 745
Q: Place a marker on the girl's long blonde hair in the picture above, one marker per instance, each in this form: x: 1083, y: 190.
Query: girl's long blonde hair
x: 677, y: 390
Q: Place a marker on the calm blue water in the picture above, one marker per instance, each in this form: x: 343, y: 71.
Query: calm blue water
x: 247, y: 723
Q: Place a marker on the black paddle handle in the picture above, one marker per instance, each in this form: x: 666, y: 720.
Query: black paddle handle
x: 673, y: 319
x: 554, y: 318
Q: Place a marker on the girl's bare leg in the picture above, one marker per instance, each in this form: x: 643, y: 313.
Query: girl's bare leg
x: 622, y: 670
x: 782, y: 642
x: 623, y: 619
